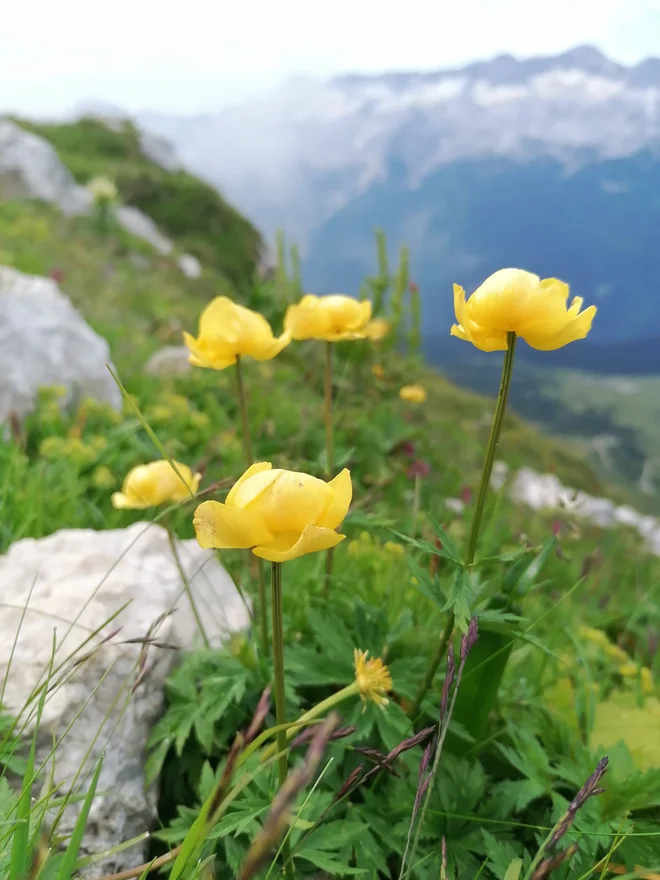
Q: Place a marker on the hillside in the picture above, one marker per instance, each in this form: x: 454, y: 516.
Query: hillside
x: 541, y: 580
x: 148, y: 177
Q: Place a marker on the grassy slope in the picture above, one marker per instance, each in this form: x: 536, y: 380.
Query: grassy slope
x: 191, y: 212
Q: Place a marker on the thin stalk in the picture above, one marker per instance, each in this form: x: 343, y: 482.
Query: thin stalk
x: 280, y: 696
x: 417, y: 502
x: 329, y: 448
x: 186, y: 583
x: 491, y: 449
x: 242, y: 402
x: 249, y: 458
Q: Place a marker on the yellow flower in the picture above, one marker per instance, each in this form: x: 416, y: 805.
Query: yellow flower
x: 377, y: 329
x: 103, y: 478
x: 614, y: 652
x: 595, y: 636
x: 394, y: 548
x: 413, y: 393
x: 378, y: 371
x: 332, y: 318
x: 156, y: 483
x: 373, y: 678
x: 102, y: 189
x: 646, y: 680
x: 629, y: 670
x: 279, y: 514
x: 515, y: 301
x: 227, y: 331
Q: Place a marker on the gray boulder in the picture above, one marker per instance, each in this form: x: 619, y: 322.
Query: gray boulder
x: 45, y: 341
x: 103, y: 597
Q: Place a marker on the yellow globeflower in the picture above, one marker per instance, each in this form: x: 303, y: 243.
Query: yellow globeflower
x: 373, y: 678
x: 332, y: 318
x: 646, y: 680
x: 279, y: 514
x: 378, y: 371
x: 377, y: 329
x: 156, y: 483
x: 515, y: 301
x: 228, y: 331
x: 413, y: 393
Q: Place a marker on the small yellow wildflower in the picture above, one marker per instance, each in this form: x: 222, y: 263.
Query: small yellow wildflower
x: 378, y: 371
x: 50, y: 447
x: 103, y: 478
x: 199, y: 420
x: 98, y: 443
x: 102, y: 189
x: 393, y: 547
x: 413, y: 394
x: 373, y: 678
x: 377, y: 329
x: 159, y: 413
x: 595, y: 636
x: 614, y: 652
x: 629, y: 670
x: 646, y: 680
x: 331, y: 318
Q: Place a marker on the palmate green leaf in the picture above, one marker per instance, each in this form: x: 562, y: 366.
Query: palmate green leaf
x: 503, y: 857
x: 327, y: 862
x: 460, y: 600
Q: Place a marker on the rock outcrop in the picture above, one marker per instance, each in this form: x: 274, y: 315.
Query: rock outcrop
x: 45, y: 341
x: 114, y: 606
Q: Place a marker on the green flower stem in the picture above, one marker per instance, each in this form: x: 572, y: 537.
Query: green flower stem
x: 249, y: 457
x: 329, y: 448
x: 318, y: 711
x: 280, y: 696
x: 329, y: 440
x: 491, y: 449
x: 186, y: 583
x: 242, y: 402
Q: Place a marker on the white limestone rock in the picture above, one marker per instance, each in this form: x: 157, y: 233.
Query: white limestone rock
x: 170, y: 360
x: 125, y: 584
x: 141, y: 226
x: 45, y: 341
x: 190, y: 266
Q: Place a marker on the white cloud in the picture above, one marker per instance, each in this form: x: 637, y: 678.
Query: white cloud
x: 192, y: 55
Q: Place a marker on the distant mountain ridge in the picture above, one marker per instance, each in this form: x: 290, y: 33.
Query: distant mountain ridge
x: 550, y: 164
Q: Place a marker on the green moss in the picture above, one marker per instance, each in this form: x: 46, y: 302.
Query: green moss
x: 189, y: 211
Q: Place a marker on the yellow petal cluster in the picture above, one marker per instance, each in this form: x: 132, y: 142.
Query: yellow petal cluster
x: 156, y: 483
x: 279, y: 514
x: 373, y: 678
x: 515, y: 301
x: 227, y: 331
x: 331, y: 318
x: 413, y: 393
x: 377, y: 329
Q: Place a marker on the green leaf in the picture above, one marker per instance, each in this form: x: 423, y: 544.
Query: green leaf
x: 68, y: 865
x: 327, y: 863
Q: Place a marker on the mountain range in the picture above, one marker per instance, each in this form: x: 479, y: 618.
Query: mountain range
x: 550, y: 164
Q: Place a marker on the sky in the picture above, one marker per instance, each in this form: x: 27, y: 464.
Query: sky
x: 194, y: 56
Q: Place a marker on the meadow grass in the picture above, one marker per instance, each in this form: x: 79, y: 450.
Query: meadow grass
x: 541, y: 698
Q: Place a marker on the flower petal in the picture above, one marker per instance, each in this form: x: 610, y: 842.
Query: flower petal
x: 120, y: 501
x: 337, y: 509
x: 306, y: 321
x: 228, y: 528
x: 271, y: 348
x: 256, y: 468
x: 285, y: 547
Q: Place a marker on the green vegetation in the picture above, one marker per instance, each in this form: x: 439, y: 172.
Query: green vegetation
x: 563, y: 670
x: 189, y: 211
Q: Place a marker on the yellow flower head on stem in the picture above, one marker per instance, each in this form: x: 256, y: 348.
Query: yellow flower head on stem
x: 629, y: 670
x: 377, y: 329
x: 515, y: 301
x: 228, y: 331
x: 332, y: 318
x: 413, y: 394
x: 646, y: 680
x: 373, y: 678
x: 378, y: 371
x: 148, y: 485
x: 278, y: 514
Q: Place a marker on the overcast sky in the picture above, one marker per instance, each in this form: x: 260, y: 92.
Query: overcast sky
x: 195, y: 55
